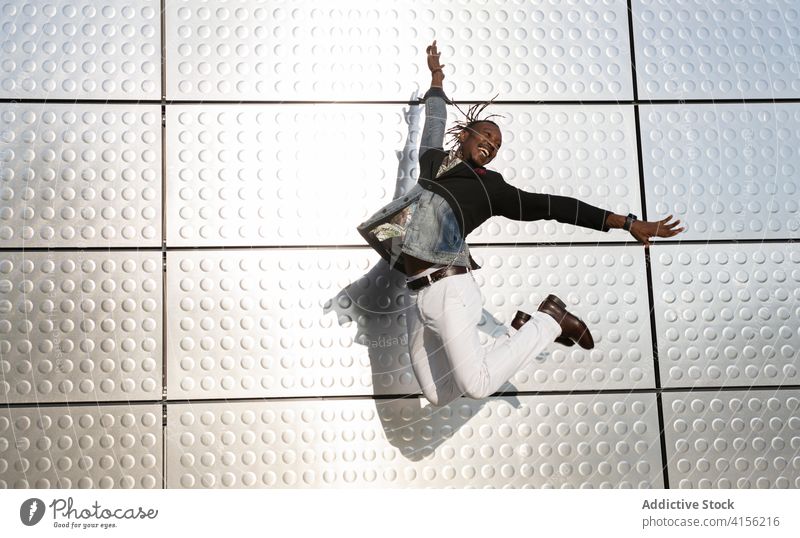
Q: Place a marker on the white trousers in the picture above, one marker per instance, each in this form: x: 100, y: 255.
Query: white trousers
x: 446, y: 354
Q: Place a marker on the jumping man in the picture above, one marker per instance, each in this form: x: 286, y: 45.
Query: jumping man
x: 423, y: 235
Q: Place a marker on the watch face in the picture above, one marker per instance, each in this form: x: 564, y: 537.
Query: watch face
x: 629, y: 222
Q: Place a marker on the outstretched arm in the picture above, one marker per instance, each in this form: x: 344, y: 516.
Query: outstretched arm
x: 517, y: 204
x: 435, y: 104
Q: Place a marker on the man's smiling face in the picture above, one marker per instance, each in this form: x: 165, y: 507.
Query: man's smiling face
x: 480, y: 143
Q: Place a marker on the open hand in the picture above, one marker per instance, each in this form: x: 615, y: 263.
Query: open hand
x: 433, y: 59
x: 643, y: 230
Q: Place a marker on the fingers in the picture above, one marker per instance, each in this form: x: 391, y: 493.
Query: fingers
x: 433, y: 59
x: 665, y: 228
x: 671, y: 228
x: 660, y: 228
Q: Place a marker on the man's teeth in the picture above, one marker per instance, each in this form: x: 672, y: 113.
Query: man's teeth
x: 484, y: 152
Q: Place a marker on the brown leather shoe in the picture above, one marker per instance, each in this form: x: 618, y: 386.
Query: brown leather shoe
x: 571, y: 326
x: 520, y: 319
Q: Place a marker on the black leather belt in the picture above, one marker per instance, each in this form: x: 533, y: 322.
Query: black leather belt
x: 427, y: 280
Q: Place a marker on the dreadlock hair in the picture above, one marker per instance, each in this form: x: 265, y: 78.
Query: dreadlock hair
x: 471, y: 117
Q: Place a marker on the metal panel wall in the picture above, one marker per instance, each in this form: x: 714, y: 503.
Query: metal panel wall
x: 719, y: 50
x: 604, y: 286
x: 733, y: 439
x: 81, y: 49
x: 283, y: 174
x: 280, y: 168
x: 598, y: 441
x: 728, y: 170
x: 219, y: 184
x: 82, y: 175
x: 358, y: 50
x: 583, y: 151
x: 80, y: 326
x: 727, y: 315
x: 285, y: 323
x: 91, y: 446
x: 293, y: 322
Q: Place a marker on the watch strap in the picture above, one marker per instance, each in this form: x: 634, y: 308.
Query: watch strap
x: 629, y: 222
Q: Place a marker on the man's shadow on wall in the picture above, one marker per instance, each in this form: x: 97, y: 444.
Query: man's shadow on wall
x: 377, y: 303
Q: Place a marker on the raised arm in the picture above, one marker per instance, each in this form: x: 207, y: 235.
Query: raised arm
x: 435, y: 105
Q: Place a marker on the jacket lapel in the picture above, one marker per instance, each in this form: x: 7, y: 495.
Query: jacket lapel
x: 461, y: 169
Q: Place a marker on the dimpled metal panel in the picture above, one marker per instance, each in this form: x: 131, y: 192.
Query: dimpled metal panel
x: 591, y: 441
x: 606, y: 287
x: 727, y: 314
x: 110, y: 446
x: 80, y: 175
x: 221, y: 190
x: 585, y: 152
x: 359, y: 50
x: 80, y: 326
x: 82, y: 49
x: 282, y: 175
x: 699, y: 49
x: 733, y: 439
x: 285, y: 323
x: 729, y: 171
x: 245, y: 324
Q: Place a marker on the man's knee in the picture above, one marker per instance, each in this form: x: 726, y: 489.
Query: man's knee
x: 472, y: 378
x: 440, y: 397
x: 433, y: 399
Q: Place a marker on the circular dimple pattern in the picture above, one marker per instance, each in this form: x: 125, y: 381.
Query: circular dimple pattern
x: 274, y: 324
x: 261, y: 323
x: 579, y: 152
x: 84, y: 447
x: 733, y: 439
x: 223, y: 192
x: 719, y: 51
x: 313, y: 52
x: 542, y: 441
x: 71, y: 53
x: 76, y: 175
x: 605, y: 288
x: 728, y: 171
x: 727, y: 316
x: 67, y: 155
x: 80, y: 326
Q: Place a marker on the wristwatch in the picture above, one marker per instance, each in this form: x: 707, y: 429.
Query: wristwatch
x: 629, y: 222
